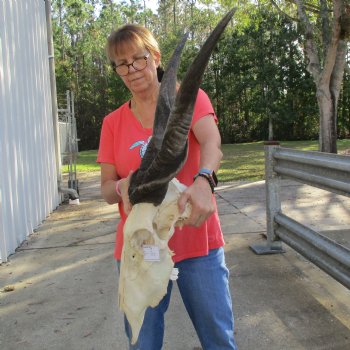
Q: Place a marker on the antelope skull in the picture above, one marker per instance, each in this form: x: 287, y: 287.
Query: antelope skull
x: 154, y: 191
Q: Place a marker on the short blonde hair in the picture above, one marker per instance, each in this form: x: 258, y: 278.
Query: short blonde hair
x: 131, y: 34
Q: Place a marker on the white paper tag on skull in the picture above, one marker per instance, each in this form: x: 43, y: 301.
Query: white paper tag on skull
x: 150, y: 252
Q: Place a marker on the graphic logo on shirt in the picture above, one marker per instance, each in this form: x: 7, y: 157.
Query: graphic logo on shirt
x: 143, y: 144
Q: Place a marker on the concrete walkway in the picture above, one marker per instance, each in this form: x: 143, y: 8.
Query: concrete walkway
x: 62, y: 282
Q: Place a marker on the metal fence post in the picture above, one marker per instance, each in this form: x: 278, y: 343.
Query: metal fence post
x: 273, y: 204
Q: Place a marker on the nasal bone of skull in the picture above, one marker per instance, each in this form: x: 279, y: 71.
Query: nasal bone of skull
x: 144, y: 283
x: 150, y: 224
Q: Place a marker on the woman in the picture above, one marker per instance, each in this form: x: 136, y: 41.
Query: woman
x: 198, y: 247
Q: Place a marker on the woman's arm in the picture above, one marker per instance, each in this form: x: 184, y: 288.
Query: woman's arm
x: 199, y: 194
x: 109, y: 180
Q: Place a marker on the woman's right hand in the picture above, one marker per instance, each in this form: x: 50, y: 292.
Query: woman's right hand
x: 109, y: 177
x: 124, y: 188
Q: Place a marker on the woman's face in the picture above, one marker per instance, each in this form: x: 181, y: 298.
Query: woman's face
x: 138, y: 81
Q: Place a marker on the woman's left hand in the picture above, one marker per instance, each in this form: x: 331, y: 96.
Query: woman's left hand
x: 199, y: 195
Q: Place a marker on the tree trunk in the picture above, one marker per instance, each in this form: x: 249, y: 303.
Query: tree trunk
x: 328, y: 71
x: 328, y: 132
x: 270, y: 137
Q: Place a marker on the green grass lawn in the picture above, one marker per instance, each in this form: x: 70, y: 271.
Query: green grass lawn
x: 245, y: 161
x: 86, y: 162
x: 241, y: 161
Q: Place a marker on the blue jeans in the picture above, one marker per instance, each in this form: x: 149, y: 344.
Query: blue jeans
x: 204, y: 288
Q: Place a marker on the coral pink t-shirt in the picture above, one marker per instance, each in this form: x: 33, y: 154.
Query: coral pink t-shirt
x: 123, y: 143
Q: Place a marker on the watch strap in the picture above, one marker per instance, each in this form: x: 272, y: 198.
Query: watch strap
x: 209, y: 175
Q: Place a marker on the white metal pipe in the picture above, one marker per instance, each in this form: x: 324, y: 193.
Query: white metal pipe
x: 71, y: 191
x: 53, y: 89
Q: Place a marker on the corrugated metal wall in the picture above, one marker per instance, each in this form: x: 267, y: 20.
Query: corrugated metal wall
x: 28, y: 178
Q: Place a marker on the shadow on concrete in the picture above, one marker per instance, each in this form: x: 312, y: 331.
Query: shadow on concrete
x: 64, y: 281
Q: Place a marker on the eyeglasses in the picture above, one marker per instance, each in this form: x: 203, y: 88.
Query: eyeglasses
x: 137, y: 64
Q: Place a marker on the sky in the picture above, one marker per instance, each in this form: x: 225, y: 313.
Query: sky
x: 152, y: 4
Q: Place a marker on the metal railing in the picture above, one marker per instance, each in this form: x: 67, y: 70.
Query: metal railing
x: 330, y: 172
x: 68, y: 137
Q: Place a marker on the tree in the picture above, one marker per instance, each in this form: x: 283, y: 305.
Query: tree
x: 326, y: 32
x: 257, y: 77
x: 257, y: 73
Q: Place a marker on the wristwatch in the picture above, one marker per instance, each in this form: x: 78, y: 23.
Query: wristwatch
x: 209, y: 175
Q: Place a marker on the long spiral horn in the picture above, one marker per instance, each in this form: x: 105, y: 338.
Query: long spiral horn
x: 150, y: 182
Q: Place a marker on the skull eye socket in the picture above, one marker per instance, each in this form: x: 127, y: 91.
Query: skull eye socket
x: 141, y: 237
